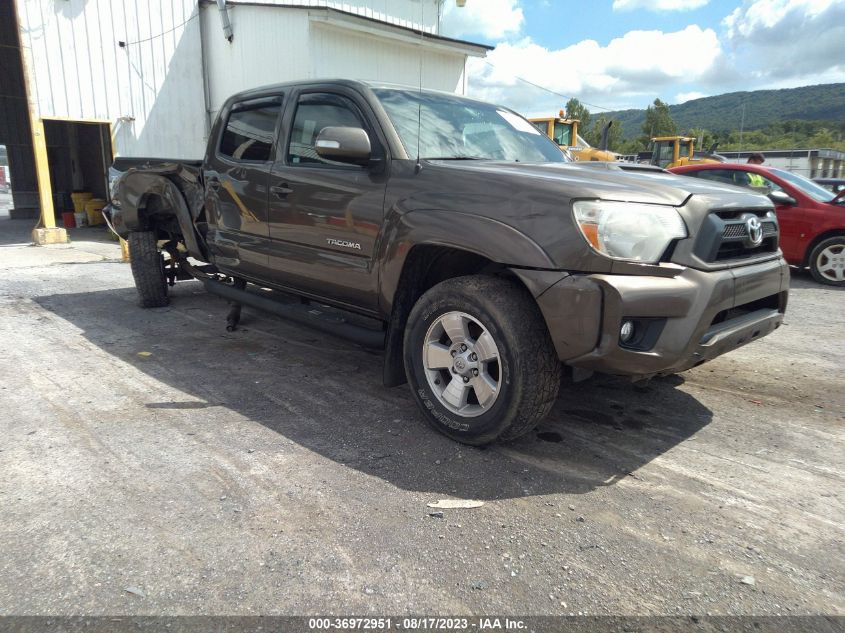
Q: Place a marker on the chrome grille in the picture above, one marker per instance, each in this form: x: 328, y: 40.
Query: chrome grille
x: 741, y: 230
x: 724, y: 236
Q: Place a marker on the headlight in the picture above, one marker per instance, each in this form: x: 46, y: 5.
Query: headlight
x: 625, y: 230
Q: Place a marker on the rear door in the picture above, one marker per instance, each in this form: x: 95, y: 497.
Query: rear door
x: 236, y: 174
x: 325, y: 216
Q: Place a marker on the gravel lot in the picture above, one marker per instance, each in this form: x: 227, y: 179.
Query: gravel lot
x: 151, y: 462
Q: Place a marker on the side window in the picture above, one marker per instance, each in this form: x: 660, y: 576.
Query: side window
x: 717, y: 175
x: 664, y: 153
x: 250, y: 132
x: 766, y: 185
x: 314, y: 112
x: 542, y: 126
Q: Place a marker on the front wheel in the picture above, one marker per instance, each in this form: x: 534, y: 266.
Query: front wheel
x: 147, y: 265
x: 479, y: 359
x: 827, y: 261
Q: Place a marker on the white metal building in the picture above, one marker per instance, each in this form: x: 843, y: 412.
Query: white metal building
x: 146, y: 77
x: 810, y: 163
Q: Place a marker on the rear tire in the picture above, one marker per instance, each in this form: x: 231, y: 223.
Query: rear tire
x: 147, y: 265
x: 479, y: 359
x: 827, y: 261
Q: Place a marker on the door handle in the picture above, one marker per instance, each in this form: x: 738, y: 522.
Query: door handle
x: 280, y: 191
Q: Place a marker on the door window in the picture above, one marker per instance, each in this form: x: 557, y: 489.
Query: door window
x: 314, y: 112
x: 718, y: 175
x: 250, y: 132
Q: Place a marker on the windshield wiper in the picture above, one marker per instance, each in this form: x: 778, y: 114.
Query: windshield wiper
x: 455, y: 158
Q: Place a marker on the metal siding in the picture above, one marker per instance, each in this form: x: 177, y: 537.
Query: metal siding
x: 80, y: 72
x: 276, y: 44
x: 270, y: 46
x: 337, y: 52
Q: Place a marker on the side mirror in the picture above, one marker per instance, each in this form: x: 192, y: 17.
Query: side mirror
x: 781, y: 199
x: 344, y: 145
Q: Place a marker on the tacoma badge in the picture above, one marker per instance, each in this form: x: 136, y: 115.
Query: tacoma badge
x: 344, y: 243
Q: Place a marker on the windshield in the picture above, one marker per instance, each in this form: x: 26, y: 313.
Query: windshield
x: 808, y: 187
x: 452, y: 127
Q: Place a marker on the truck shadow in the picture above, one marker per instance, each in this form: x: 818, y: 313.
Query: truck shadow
x: 326, y: 395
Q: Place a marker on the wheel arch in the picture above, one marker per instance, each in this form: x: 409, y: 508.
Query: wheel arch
x: 149, y: 200
x: 424, y: 266
x: 495, y: 241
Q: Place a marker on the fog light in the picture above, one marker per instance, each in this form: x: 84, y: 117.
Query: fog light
x: 626, y: 332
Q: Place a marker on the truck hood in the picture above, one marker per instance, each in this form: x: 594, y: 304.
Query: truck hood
x: 532, y: 202
x: 601, y: 180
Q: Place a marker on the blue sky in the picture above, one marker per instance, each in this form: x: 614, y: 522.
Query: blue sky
x: 625, y: 53
x: 597, y: 20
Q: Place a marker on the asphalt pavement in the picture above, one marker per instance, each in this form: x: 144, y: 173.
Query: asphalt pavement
x: 153, y: 463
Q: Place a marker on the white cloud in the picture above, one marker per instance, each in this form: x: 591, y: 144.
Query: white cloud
x: 760, y: 16
x: 658, y: 5
x: 491, y: 19
x: 779, y: 41
x: 683, y: 97
x: 630, y: 70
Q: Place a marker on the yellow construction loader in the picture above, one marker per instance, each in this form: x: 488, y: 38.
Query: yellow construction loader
x: 564, y: 132
x: 674, y: 151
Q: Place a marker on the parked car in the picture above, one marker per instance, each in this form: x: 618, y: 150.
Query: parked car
x: 834, y: 184
x: 812, y: 218
x: 454, y: 235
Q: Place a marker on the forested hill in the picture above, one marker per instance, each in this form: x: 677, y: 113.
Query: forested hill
x: 722, y: 113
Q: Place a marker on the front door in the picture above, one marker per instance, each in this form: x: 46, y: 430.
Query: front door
x: 325, y: 215
x: 236, y: 177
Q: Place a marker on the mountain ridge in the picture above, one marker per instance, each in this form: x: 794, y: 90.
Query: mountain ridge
x: 723, y: 113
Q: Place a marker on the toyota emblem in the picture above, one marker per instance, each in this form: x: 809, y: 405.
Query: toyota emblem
x: 755, y: 231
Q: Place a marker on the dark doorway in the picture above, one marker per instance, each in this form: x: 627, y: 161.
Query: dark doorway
x: 79, y: 155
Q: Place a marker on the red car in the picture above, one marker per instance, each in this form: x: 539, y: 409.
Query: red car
x: 811, y: 218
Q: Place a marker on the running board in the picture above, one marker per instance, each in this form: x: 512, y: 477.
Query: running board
x: 331, y: 323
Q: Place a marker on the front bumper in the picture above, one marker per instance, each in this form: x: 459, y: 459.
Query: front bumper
x: 692, y: 316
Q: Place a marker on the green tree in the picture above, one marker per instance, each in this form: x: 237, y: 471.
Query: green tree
x: 658, y: 121
x: 577, y: 110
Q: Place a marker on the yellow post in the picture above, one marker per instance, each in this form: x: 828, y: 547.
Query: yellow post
x: 49, y: 233
x: 42, y: 170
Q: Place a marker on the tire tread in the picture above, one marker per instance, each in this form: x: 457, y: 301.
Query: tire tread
x: 144, y: 260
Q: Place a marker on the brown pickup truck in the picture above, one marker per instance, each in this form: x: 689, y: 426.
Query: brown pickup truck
x: 455, y: 236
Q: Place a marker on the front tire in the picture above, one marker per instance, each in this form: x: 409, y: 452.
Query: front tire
x: 827, y: 261
x: 147, y: 265
x: 479, y: 359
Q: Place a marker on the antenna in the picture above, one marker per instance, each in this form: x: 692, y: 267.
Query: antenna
x: 418, y: 165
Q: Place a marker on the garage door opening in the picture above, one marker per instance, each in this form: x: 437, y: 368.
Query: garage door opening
x: 79, y: 154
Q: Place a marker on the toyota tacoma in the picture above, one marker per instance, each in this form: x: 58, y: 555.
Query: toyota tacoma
x: 453, y: 235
